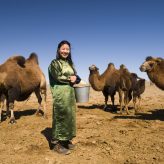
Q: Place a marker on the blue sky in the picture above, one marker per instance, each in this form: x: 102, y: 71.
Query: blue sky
x: 100, y: 31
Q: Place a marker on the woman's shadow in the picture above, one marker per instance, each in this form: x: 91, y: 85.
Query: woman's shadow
x: 47, y: 132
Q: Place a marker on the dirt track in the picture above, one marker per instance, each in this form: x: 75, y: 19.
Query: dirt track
x: 102, y: 137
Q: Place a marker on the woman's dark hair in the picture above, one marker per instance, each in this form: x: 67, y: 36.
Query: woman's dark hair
x: 69, y: 58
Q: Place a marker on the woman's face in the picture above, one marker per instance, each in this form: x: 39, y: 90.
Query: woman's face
x: 64, y: 51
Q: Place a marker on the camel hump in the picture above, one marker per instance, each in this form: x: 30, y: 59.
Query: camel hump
x: 110, y: 64
x: 20, y: 60
x: 134, y: 75
x: 34, y: 58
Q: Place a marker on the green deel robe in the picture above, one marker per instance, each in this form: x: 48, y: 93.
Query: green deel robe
x: 64, y: 103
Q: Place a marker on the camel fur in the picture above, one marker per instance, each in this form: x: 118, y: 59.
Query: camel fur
x: 118, y: 80
x: 103, y: 82
x: 19, y: 78
x: 154, y: 67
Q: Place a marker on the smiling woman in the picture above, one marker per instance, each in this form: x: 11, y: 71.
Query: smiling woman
x: 64, y: 51
x: 62, y: 77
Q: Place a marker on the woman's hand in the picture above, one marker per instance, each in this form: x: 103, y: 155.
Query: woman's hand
x: 72, y: 79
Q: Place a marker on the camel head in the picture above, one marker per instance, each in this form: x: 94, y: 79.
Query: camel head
x: 150, y: 64
x: 93, y: 68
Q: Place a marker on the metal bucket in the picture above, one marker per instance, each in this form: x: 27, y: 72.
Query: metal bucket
x: 82, y: 93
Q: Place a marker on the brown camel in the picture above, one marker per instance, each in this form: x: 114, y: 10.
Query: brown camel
x: 132, y: 85
x: 138, y: 89
x: 108, y: 82
x: 19, y: 78
x: 113, y: 80
x: 126, y: 84
x: 154, y: 67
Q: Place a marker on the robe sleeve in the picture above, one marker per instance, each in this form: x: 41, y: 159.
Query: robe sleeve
x: 55, y: 72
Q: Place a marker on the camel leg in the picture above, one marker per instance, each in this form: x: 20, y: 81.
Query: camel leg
x: 112, y: 99
x: 120, y: 100
x: 138, y: 107
x: 44, y: 98
x: 139, y: 102
x: 134, y: 102
x: 127, y: 110
x: 12, y: 96
x: 106, y: 104
x: 126, y: 101
x: 7, y: 108
x: 37, y: 93
x: 41, y: 98
x: 0, y: 111
x: 0, y: 114
x: 12, y: 117
x: 2, y: 99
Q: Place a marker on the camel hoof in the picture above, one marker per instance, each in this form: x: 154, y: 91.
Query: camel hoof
x: 37, y: 113
x: 120, y: 112
x: 12, y: 121
x: 105, y: 108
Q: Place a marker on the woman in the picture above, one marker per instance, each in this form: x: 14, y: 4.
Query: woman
x: 62, y: 76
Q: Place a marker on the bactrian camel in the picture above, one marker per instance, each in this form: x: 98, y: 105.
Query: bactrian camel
x: 19, y: 78
x: 154, y: 67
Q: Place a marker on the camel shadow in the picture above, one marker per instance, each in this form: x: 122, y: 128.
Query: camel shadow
x: 109, y: 108
x: 93, y: 106
x: 19, y: 114
x: 47, y: 132
x: 27, y: 112
x: 156, y: 114
x: 4, y: 116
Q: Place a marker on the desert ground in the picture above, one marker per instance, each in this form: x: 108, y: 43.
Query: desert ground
x: 103, y: 137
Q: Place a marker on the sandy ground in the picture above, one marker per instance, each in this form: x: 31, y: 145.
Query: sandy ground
x: 103, y: 137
